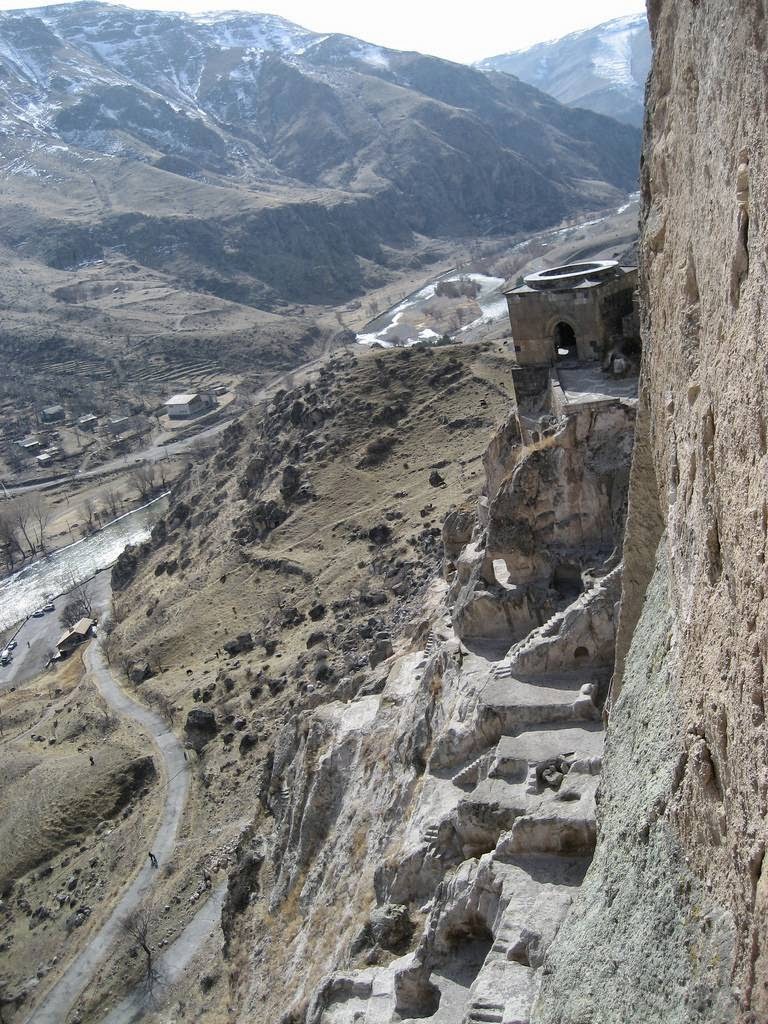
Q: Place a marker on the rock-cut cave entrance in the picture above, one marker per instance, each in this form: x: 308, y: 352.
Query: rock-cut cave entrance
x: 565, y: 341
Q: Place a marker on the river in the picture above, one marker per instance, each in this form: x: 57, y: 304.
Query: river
x: 409, y: 322
x: 391, y: 328
x: 28, y: 589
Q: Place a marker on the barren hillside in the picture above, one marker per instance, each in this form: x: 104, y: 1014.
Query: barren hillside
x: 180, y: 186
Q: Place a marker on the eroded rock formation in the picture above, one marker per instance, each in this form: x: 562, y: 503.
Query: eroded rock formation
x: 671, y: 919
x: 432, y: 826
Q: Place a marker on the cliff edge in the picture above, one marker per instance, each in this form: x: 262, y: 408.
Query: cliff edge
x: 670, y: 923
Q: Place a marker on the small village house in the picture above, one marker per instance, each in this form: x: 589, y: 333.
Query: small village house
x: 75, y: 636
x: 185, y: 406
x: 52, y: 414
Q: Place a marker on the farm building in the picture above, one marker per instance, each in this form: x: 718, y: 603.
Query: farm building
x: 182, y: 407
x: 52, y: 414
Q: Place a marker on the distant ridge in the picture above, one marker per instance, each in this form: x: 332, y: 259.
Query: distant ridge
x: 602, y: 69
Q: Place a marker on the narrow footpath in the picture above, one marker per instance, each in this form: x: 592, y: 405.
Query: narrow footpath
x: 56, y: 1005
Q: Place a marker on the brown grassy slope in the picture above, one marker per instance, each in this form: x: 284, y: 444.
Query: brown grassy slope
x: 201, y: 585
x: 362, y: 442
x: 71, y: 833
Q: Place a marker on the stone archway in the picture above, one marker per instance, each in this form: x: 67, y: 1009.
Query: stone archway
x: 564, y: 338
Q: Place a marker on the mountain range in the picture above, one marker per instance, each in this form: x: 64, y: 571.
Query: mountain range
x: 602, y: 69
x: 263, y: 162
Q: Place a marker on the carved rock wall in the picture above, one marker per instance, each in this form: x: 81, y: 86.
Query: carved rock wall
x: 671, y: 922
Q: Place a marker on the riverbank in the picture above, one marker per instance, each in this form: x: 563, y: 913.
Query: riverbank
x: 30, y: 587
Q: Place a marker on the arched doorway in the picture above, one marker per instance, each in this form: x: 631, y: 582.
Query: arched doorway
x: 565, y: 341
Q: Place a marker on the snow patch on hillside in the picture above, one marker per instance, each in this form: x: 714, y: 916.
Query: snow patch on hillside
x: 613, y: 59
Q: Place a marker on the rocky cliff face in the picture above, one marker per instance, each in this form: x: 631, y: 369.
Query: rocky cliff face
x: 670, y: 924
x: 428, y: 829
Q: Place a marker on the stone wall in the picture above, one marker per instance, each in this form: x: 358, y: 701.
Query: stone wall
x: 671, y: 922
x: 595, y: 314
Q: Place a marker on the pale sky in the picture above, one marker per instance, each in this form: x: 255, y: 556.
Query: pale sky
x: 458, y: 31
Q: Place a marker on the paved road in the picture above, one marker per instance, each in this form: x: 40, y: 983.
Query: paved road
x: 55, y: 1007
x: 156, y: 452
x: 173, y: 963
x: 36, y: 638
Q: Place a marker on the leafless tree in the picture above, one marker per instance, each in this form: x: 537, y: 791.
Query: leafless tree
x: 143, y: 479
x: 89, y: 512
x: 113, y: 501
x: 21, y: 515
x: 139, y: 926
x: 39, y: 517
x: 164, y: 705
x: 8, y: 541
x: 78, y: 606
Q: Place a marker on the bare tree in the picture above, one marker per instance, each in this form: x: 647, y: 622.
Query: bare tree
x: 21, y: 514
x: 39, y: 517
x: 139, y: 925
x: 89, y: 512
x: 8, y: 541
x: 112, y: 501
x: 78, y: 606
x: 143, y: 479
x: 164, y: 705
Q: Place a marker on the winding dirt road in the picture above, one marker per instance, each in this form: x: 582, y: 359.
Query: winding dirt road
x: 59, y: 1000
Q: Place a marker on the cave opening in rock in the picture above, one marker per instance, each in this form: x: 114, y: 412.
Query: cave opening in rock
x: 466, y: 946
x: 567, y: 581
x: 565, y: 341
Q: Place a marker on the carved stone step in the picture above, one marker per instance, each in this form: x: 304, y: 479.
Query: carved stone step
x: 484, y: 1012
x: 474, y: 771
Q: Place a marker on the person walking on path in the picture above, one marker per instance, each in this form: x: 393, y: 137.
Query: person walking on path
x: 90, y: 758
x: 152, y: 859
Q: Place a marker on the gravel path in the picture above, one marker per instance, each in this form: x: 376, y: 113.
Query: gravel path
x: 56, y: 1005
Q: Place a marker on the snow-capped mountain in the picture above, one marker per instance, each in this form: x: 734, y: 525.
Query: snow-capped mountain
x: 602, y: 69
x: 267, y: 163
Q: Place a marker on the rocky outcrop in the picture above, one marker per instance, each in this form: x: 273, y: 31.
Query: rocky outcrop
x: 554, y: 509
x: 200, y: 727
x: 441, y: 810
x: 671, y: 919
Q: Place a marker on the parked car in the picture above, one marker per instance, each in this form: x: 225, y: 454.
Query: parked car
x: 5, y: 657
x: 50, y: 607
x: 11, y: 645
x: 38, y: 613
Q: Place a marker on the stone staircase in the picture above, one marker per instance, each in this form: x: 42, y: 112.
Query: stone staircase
x: 431, y: 834
x: 476, y: 770
x: 549, y: 629
x: 484, y: 1011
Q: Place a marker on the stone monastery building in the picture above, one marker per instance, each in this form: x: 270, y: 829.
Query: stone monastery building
x: 583, y: 311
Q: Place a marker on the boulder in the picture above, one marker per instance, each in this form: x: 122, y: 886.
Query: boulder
x: 239, y: 644
x: 382, y: 649
x: 457, y: 531
x: 291, y: 481
x: 391, y: 927
x: 138, y: 671
x: 380, y: 534
x: 200, y: 727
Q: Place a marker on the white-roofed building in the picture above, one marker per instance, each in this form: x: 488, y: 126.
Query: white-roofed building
x: 182, y: 407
